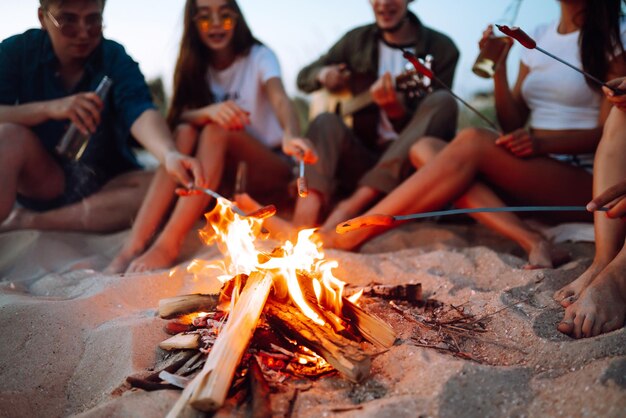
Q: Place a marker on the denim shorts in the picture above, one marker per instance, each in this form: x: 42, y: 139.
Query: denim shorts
x: 80, y: 181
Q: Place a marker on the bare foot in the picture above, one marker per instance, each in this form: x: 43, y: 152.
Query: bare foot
x: 278, y: 228
x: 121, y: 262
x: 19, y: 218
x: 570, y: 293
x: 601, y: 307
x: 157, y: 257
x: 544, y: 255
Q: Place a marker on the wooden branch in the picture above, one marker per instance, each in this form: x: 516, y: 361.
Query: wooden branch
x: 344, y: 355
x: 179, y: 305
x: 207, y: 391
x: 374, y: 329
x: 181, y: 342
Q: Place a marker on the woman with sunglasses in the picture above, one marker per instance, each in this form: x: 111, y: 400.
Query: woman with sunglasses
x: 47, y: 78
x: 229, y: 105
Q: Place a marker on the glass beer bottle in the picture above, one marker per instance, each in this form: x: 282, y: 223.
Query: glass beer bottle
x: 74, y: 142
x: 494, y: 46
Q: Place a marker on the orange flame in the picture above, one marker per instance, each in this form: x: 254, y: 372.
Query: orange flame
x: 238, y: 239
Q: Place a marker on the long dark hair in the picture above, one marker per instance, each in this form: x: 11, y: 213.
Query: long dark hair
x: 600, y: 37
x: 190, y: 86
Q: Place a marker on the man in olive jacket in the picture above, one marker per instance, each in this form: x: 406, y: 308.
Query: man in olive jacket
x: 371, y: 158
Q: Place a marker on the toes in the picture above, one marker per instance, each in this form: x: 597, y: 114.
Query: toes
x: 568, y: 301
x: 578, y: 326
x: 566, y: 326
x: 561, y: 294
x: 587, y: 326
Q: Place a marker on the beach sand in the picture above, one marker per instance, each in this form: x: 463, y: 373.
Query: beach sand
x: 71, y: 335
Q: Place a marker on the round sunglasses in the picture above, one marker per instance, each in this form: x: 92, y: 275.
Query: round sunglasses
x: 70, y: 25
x: 225, y: 20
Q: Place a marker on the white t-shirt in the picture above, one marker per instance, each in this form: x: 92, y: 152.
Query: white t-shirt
x: 557, y: 96
x: 389, y: 60
x: 243, y: 83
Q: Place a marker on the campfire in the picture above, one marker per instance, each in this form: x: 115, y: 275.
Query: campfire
x: 283, y: 301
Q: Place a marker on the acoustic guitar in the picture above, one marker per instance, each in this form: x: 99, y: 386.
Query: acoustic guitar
x: 345, y: 104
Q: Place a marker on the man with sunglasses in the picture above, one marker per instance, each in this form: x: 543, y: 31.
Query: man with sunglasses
x: 370, y: 158
x: 47, y: 82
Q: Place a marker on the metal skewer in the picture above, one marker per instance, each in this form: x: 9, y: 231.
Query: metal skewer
x: 526, y: 41
x: 388, y: 220
x: 425, y: 71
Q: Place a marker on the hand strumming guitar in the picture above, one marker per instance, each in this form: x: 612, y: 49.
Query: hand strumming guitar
x: 385, y: 96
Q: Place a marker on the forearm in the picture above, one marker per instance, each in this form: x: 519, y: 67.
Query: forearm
x: 152, y: 132
x: 30, y: 114
x: 197, y: 117
x: 510, y: 112
x: 574, y: 141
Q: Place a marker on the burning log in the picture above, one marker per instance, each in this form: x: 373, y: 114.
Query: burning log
x: 259, y: 388
x: 344, y: 355
x: 408, y: 292
x: 374, y: 329
x: 179, y: 305
x: 207, y: 391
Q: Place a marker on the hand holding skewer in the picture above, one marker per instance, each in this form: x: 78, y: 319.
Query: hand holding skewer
x: 262, y: 213
x: 523, y: 38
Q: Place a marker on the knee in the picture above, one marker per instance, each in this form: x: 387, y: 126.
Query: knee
x: 425, y: 150
x: 323, y: 123
x: 16, y: 139
x: 473, y: 141
x: 214, y: 134
x: 441, y: 111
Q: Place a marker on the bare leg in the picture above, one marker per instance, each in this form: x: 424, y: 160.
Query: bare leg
x: 111, y: 209
x: 453, y: 172
x: 25, y: 167
x: 307, y: 210
x: 155, y: 206
x: 610, y: 167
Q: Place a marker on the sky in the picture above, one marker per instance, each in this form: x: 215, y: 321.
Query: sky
x: 299, y: 31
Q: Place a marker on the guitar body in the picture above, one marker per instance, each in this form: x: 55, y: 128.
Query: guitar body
x: 345, y: 104
x: 325, y: 101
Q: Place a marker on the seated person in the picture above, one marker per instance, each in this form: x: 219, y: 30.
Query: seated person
x: 229, y: 105
x: 47, y: 78
x: 370, y: 159
x: 596, y: 301
x: 546, y: 164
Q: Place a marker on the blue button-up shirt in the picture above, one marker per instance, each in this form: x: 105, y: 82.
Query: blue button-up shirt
x: 28, y: 73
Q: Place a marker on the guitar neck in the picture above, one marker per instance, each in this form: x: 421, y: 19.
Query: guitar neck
x: 357, y: 103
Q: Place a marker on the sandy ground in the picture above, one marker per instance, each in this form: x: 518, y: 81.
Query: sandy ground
x: 70, y: 335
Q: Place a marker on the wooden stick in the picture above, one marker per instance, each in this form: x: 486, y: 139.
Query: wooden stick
x: 207, y: 391
x: 181, y: 342
x: 180, y: 305
x: 344, y: 355
x: 374, y: 329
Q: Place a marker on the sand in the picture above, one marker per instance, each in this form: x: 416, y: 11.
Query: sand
x: 71, y: 335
